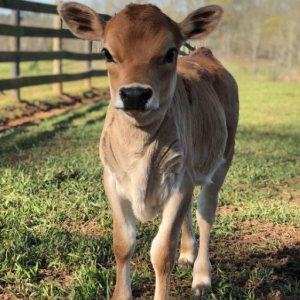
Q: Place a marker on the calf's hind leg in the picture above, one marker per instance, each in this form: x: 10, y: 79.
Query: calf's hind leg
x: 188, y: 242
x: 207, y: 204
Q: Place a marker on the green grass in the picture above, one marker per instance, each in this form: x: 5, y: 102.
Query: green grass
x: 56, y: 225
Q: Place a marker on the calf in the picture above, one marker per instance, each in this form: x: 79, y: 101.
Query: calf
x: 170, y: 126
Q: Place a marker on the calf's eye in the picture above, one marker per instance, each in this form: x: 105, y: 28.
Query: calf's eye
x: 169, y: 58
x: 108, y: 56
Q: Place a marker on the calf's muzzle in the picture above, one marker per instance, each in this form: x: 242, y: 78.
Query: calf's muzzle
x: 135, y: 98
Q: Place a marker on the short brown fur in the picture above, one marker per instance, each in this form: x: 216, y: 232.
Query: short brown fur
x: 184, y: 137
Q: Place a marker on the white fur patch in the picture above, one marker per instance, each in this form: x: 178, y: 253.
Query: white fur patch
x: 118, y: 102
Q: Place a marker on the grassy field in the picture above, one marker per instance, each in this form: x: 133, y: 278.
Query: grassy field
x: 56, y: 225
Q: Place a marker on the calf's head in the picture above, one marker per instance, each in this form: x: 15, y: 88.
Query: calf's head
x: 141, y: 46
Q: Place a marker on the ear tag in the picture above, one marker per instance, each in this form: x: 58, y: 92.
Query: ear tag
x: 197, y: 43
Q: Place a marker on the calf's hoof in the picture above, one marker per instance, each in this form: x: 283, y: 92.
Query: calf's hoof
x: 200, y: 292
x: 200, y: 286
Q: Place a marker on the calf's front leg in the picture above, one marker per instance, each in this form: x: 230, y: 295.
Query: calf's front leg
x: 164, y: 245
x: 124, y: 235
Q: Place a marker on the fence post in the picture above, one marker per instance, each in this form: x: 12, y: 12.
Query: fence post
x: 57, y: 46
x: 88, y: 50
x: 15, y: 46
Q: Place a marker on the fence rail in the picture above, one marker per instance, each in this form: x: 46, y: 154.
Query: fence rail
x: 8, y: 56
x: 15, y: 31
x: 8, y: 84
x: 28, y: 6
x: 27, y: 31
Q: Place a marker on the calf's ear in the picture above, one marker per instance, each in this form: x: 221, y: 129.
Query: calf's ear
x: 83, y: 22
x: 201, y: 22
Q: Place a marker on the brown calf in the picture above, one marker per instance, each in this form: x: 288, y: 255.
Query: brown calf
x: 170, y: 126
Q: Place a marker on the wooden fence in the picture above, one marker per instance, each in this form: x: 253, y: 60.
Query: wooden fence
x: 15, y: 31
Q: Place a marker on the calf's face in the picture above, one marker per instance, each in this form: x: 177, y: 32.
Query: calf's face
x: 141, y: 46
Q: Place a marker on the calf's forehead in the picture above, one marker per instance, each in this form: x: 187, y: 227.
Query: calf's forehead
x: 141, y: 27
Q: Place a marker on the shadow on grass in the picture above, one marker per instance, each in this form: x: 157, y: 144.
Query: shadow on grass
x: 269, y: 274
x: 260, y: 134
x: 46, y: 106
x: 57, y: 252
x: 61, y: 101
x: 20, y: 139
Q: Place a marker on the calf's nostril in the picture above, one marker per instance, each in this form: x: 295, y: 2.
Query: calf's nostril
x: 146, y: 95
x: 123, y: 94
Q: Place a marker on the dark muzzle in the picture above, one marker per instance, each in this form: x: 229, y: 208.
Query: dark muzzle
x: 135, y: 98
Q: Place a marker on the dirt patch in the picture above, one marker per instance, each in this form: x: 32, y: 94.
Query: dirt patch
x: 90, y: 229
x: 15, y: 159
x: 267, y: 235
x: 49, y: 275
x: 270, y: 253
x: 226, y: 209
x: 38, y: 110
x: 291, y: 194
x: 288, y: 193
x: 8, y: 296
x: 44, y: 275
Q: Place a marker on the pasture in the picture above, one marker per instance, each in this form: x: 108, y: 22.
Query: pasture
x: 56, y: 225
